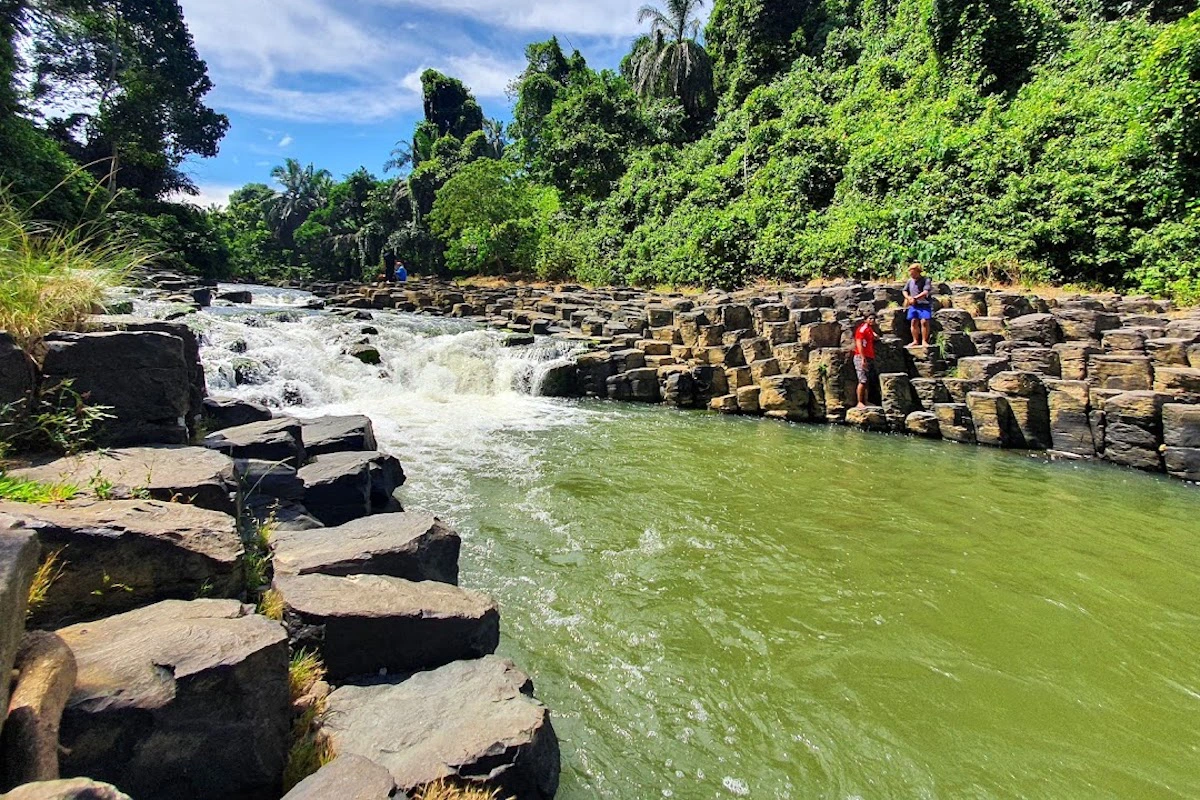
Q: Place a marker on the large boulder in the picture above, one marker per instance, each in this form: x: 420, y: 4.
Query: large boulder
x: 337, y: 434
x: 278, y: 439
x: 413, y: 545
x: 347, y: 777
x: 18, y: 373
x: 179, y: 699
x: 197, y: 389
x: 364, y: 623
x: 193, y: 475
x: 471, y: 721
x: 18, y: 563
x: 120, y: 554
x: 142, y: 376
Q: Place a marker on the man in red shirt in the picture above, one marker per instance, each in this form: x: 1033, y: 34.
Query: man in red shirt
x: 865, y: 336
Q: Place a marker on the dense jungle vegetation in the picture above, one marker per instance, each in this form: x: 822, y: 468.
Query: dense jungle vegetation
x: 1009, y: 140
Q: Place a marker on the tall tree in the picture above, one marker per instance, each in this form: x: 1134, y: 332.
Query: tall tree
x: 671, y: 62
x: 133, y: 64
x: 304, y: 191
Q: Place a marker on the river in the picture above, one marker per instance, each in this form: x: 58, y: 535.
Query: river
x: 719, y: 607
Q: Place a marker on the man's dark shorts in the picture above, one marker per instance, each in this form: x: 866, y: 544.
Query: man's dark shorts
x: 865, y: 368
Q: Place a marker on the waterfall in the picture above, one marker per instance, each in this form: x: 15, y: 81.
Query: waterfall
x: 446, y: 397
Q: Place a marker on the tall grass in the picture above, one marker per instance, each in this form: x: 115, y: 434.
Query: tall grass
x: 52, y: 276
x: 444, y: 790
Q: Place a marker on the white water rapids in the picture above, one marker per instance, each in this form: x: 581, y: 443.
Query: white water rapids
x: 447, y: 397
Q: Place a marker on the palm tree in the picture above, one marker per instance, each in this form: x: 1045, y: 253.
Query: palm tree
x: 670, y: 62
x: 304, y: 191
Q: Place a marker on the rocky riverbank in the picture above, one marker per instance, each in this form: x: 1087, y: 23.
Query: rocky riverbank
x: 208, y: 548
x: 1083, y: 376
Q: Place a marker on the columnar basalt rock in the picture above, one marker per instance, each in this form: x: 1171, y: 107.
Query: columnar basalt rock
x: 19, y: 554
x: 1089, y: 343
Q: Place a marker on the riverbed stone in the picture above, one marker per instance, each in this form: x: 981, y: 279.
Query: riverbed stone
x: 923, y: 423
x: 18, y: 372
x: 121, y: 554
x: 867, y: 418
x: 347, y: 777
x: 1070, y: 421
x: 332, y: 434
x: 143, y: 377
x: 1124, y: 373
x: 278, y: 439
x: 992, y: 419
x: 1041, y: 328
x: 784, y: 397
x: 561, y: 380
x: 66, y: 789
x: 414, y: 545
x: 1183, y: 462
x: 193, y: 475
x: 471, y: 721
x: 19, y: 555
x: 364, y: 623
x: 1133, y: 429
x: 179, y: 699
x: 222, y: 413
x: 339, y: 487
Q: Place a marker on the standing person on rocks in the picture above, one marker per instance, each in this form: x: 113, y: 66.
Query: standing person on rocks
x: 865, y: 336
x: 389, y: 266
x: 918, y: 296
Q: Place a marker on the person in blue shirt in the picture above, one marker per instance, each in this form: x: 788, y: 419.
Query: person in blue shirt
x: 918, y: 296
x: 401, y: 272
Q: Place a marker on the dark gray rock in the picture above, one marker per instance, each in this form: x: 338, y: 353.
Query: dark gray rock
x: 1183, y: 462
x: 472, y: 721
x: 272, y: 440
x: 337, y: 434
x: 223, y: 413
x: 413, y: 545
x: 18, y: 562
x: 268, y: 479
x: 191, y: 354
x: 559, y: 380
x: 143, y: 376
x: 238, y: 296
x: 66, y: 789
x: 1181, y: 425
x: 1041, y: 328
x: 347, y: 777
x: 337, y: 487
x: 192, y: 475
x: 180, y: 699
x: 120, y: 554
x: 18, y: 373
x: 364, y: 623
x: 1070, y: 418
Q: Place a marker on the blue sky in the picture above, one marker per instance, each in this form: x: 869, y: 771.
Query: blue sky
x: 337, y: 83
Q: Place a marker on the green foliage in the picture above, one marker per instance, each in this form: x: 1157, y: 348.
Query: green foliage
x: 491, y: 219
x: 752, y: 41
x: 20, y: 490
x: 670, y: 63
x: 449, y: 105
x: 57, y: 419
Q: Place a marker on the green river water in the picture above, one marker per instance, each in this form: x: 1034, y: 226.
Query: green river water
x: 717, y: 607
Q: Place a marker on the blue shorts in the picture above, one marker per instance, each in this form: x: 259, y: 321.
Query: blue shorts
x: 919, y: 312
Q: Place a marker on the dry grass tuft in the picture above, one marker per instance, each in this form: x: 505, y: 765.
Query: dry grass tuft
x: 304, y: 670
x: 311, y: 749
x: 47, y: 573
x: 270, y: 605
x: 445, y: 790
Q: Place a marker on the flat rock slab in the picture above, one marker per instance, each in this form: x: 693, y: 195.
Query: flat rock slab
x: 413, y: 545
x: 194, y: 475
x: 271, y: 440
x: 121, y: 554
x: 222, y: 413
x: 474, y: 721
x: 179, y: 700
x: 347, y: 777
x: 338, y: 434
x: 67, y: 789
x: 18, y: 562
x: 365, y: 623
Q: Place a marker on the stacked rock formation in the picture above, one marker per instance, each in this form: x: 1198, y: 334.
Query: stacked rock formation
x: 1091, y: 376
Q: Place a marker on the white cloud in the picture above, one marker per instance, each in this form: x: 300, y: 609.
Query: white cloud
x: 588, y: 17
x: 486, y: 76
x: 286, y: 140
x: 210, y: 195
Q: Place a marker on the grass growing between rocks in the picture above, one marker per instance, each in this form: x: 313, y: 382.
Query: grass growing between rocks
x: 270, y: 605
x: 311, y: 749
x: 47, y: 573
x: 257, y: 541
x: 51, y: 277
x: 23, y: 491
x: 444, y: 790
x: 57, y: 419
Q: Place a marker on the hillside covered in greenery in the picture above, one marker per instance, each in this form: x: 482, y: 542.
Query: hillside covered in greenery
x: 1019, y: 140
